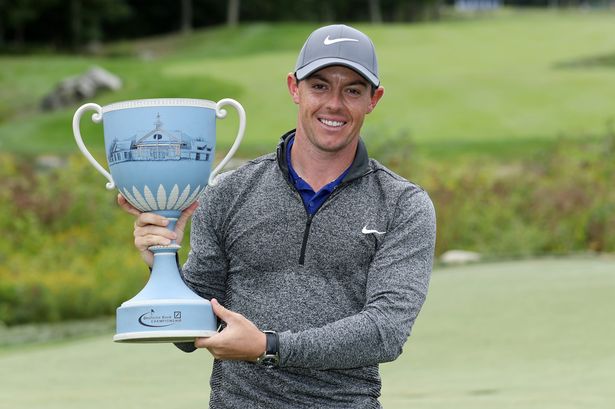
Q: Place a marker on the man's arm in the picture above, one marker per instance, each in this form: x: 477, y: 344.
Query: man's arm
x: 396, y: 289
x: 206, y: 266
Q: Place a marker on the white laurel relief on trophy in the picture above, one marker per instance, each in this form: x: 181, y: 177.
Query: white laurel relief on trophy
x: 131, y: 199
x: 161, y: 195
x: 148, y: 202
x: 183, y: 197
x: 140, y: 200
x: 192, y: 197
x: 149, y: 197
x: 173, y: 198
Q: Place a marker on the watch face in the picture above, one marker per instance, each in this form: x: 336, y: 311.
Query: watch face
x: 269, y: 361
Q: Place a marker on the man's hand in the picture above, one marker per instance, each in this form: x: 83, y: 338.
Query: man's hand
x: 150, y: 229
x: 241, y: 340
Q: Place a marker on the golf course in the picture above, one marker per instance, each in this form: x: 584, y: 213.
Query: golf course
x: 525, y: 334
x: 506, y: 119
x: 494, y: 84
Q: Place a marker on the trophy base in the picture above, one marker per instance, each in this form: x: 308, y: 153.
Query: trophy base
x: 164, y: 320
x: 161, y: 336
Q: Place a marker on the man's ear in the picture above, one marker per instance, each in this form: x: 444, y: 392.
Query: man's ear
x: 293, y: 87
x: 379, y: 93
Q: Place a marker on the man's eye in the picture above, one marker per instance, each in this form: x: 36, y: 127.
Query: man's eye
x: 318, y: 86
x: 353, y: 91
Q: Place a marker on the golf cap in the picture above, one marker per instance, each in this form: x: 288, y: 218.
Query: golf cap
x: 338, y: 45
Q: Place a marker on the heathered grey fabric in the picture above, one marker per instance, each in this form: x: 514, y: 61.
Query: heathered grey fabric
x: 349, y: 307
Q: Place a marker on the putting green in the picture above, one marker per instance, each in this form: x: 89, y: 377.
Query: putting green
x: 525, y: 334
x: 529, y: 334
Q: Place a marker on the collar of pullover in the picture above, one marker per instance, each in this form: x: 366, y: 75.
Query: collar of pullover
x: 359, y: 167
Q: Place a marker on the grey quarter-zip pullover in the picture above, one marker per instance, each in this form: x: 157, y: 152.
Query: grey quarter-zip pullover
x: 342, y: 287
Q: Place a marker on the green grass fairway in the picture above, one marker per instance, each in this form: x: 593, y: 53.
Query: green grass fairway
x: 498, y: 84
x: 528, y: 334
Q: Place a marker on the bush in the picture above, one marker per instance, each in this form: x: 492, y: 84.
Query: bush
x: 68, y: 250
x: 557, y: 200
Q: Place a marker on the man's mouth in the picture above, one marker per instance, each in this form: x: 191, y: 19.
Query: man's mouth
x: 332, y: 123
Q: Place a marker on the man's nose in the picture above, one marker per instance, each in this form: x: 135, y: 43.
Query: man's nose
x: 335, y: 100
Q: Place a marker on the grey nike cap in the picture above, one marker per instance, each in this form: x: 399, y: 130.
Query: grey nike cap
x: 338, y: 45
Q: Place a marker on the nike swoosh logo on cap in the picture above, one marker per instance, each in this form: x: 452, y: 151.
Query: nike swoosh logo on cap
x: 366, y: 231
x: 329, y: 41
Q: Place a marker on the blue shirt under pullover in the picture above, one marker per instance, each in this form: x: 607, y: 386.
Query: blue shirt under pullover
x: 311, y: 200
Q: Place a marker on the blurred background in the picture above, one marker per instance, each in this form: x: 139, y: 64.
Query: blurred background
x: 502, y: 110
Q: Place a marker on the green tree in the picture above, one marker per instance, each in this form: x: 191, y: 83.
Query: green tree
x: 18, y: 14
x: 232, y: 12
x: 2, y: 7
x: 88, y: 16
x: 375, y: 12
x: 186, y: 16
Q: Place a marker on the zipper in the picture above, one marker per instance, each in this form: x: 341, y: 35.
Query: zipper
x: 306, y: 234
x: 308, y: 223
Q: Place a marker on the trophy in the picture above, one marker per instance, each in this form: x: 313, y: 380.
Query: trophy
x: 160, y: 154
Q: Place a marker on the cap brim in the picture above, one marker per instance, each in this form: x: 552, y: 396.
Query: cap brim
x: 314, y: 66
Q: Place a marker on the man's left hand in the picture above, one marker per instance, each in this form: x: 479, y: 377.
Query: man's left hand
x: 241, y: 340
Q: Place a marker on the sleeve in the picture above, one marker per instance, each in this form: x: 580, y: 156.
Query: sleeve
x: 396, y: 289
x: 205, y: 270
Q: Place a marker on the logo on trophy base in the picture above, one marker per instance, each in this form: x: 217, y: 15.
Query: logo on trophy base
x: 160, y: 154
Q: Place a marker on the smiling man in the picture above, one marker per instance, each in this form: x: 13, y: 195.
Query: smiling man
x: 332, y: 105
x: 316, y: 257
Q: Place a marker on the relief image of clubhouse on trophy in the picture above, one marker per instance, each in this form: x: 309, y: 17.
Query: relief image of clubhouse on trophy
x: 160, y: 154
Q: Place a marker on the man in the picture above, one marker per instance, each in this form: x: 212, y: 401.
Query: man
x: 324, y: 248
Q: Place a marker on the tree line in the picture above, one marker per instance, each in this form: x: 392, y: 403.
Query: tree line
x: 74, y: 24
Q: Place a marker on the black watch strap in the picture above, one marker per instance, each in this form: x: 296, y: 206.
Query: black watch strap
x: 271, y: 357
x: 272, y: 343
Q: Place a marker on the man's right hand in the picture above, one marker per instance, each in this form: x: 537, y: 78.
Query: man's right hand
x: 150, y: 228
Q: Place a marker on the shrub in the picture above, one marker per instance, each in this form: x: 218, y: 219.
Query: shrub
x: 558, y: 200
x: 68, y: 250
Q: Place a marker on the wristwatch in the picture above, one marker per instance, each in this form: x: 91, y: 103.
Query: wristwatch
x: 271, y: 357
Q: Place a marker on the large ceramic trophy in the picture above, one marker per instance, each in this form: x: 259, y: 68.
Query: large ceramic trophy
x: 160, y: 154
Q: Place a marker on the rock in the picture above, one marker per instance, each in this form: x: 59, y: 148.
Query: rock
x: 459, y: 257
x: 50, y: 161
x: 104, y: 80
x: 79, y: 88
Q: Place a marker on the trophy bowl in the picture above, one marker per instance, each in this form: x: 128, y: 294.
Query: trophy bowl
x: 160, y: 154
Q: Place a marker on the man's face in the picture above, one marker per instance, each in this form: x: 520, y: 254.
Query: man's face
x: 332, y: 104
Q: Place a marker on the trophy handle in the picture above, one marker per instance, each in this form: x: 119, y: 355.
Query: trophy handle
x: 221, y: 113
x: 96, y: 118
